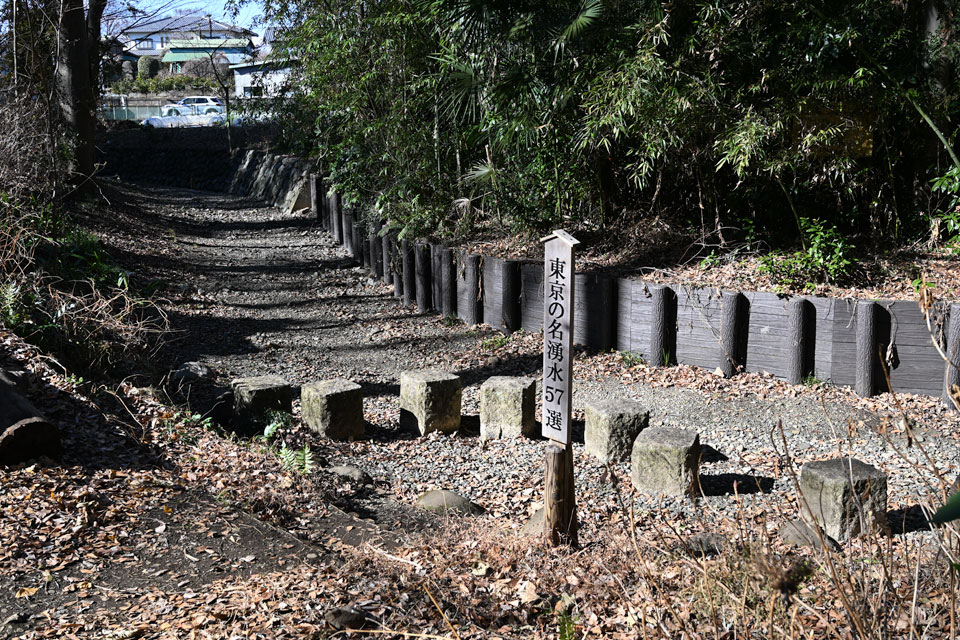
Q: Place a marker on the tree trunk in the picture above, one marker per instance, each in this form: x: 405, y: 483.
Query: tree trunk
x: 78, y: 69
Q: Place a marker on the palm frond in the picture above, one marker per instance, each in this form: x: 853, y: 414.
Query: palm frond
x: 589, y: 12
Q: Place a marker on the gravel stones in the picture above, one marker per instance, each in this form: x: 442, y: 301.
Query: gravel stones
x: 507, y: 407
x: 442, y: 501
x: 845, y: 496
x: 333, y: 409
x: 666, y: 461
x: 611, y: 425
x: 430, y: 401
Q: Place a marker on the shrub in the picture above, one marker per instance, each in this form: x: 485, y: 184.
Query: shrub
x: 148, y: 67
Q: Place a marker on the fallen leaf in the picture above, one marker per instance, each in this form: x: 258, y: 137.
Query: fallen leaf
x: 26, y: 592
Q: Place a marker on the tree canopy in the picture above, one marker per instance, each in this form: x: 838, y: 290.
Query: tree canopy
x: 744, y: 119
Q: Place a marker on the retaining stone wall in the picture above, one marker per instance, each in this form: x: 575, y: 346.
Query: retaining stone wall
x: 843, y: 341
x: 200, y: 158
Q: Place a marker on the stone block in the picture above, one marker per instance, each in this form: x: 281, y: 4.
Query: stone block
x: 508, y: 408
x: 442, y: 501
x: 333, y: 409
x: 430, y: 401
x: 666, y: 460
x: 611, y: 425
x: 254, y: 396
x: 845, y: 496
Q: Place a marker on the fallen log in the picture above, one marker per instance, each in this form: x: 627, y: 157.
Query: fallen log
x: 24, y: 432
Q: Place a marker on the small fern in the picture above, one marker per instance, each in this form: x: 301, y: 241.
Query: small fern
x: 288, y: 458
x: 305, y: 460
x: 299, y: 460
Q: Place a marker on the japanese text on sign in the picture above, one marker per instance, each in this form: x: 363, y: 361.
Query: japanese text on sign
x: 557, y: 335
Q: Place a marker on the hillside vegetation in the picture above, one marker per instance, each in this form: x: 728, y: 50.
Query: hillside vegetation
x: 818, y: 132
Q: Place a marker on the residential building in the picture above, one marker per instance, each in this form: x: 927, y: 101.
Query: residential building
x: 151, y: 37
x: 221, y: 51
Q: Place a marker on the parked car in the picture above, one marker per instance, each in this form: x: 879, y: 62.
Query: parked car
x: 192, y: 106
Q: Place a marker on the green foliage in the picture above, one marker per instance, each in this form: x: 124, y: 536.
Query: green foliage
x: 566, y: 627
x: 828, y: 251
x: 148, y: 67
x: 80, y: 257
x: 299, y: 460
x: 827, y: 258
x: 949, y: 186
x: 812, y: 381
x: 949, y: 511
x: 441, y: 114
x: 13, y: 310
x: 164, y: 83
x: 631, y: 359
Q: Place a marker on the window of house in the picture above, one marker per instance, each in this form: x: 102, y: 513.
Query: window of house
x: 146, y: 43
x: 252, y: 92
x: 163, y: 41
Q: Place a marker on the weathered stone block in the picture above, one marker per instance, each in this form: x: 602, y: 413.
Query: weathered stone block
x: 254, y: 396
x: 442, y: 501
x: 430, y: 401
x: 333, y: 409
x: 845, y: 496
x: 508, y: 408
x: 666, y: 461
x: 611, y: 425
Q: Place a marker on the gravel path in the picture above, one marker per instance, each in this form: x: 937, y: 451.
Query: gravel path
x: 255, y: 291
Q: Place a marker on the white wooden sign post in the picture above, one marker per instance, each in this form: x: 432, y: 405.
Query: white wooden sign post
x: 560, y: 513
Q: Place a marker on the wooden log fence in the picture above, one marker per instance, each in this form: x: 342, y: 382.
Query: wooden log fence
x: 854, y: 343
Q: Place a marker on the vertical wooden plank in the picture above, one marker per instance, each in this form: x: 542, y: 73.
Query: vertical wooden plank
x: 492, y: 292
x: 531, y: 298
x: 510, y: 289
x: 624, y: 293
x: 951, y: 375
x: 469, y: 302
x: 348, y: 235
x: 315, y: 208
x: 733, y: 333
x: 912, y: 352
x: 424, y: 279
x: 596, y: 311
x: 408, y: 262
x: 802, y: 318
x: 868, y: 358
x: 699, y: 325
x: 663, y: 326
x: 336, y: 216
x: 448, y: 284
x: 386, y: 256
x: 362, y: 239
x: 436, y: 275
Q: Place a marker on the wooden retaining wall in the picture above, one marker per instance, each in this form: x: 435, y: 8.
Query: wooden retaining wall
x: 844, y: 341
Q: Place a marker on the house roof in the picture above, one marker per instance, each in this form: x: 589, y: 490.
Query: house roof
x: 183, y: 56
x: 264, y: 61
x: 210, y: 43
x: 192, y: 22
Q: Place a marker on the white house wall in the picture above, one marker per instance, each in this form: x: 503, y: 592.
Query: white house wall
x: 273, y: 81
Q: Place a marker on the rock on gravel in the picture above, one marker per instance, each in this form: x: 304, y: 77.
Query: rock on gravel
x: 442, y: 501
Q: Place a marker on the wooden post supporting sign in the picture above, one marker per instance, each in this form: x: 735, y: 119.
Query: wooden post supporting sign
x: 560, y: 511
